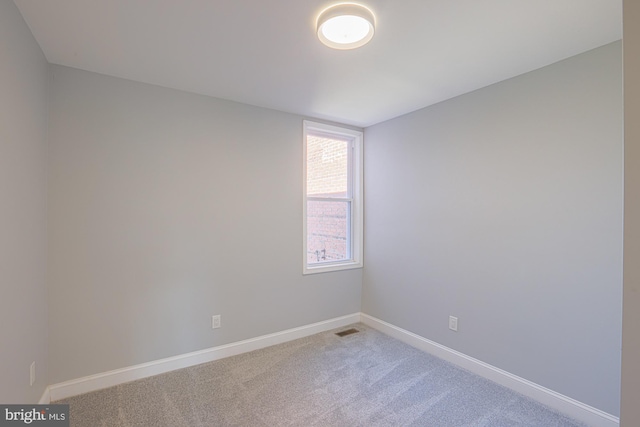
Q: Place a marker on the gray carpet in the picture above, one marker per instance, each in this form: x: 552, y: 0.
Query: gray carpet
x: 364, y: 379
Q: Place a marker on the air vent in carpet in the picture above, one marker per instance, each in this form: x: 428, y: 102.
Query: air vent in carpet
x: 347, y: 332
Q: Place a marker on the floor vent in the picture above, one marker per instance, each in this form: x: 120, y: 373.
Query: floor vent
x: 347, y: 332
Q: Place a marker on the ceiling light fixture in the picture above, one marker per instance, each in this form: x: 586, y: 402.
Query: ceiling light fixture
x: 346, y: 26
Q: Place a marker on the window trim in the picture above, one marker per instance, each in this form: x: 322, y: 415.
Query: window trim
x: 356, y: 185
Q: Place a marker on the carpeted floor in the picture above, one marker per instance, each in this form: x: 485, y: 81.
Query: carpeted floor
x: 363, y: 379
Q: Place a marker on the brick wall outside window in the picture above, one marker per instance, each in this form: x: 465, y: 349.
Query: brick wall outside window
x: 327, y: 162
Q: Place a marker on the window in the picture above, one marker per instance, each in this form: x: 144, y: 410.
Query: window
x: 332, y: 211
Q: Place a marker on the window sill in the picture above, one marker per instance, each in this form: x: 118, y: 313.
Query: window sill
x: 326, y: 268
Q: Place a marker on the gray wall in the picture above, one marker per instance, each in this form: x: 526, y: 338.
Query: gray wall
x: 630, y: 410
x: 166, y: 208
x: 23, y: 156
x: 504, y: 207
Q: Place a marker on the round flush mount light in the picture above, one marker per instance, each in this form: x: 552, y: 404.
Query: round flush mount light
x: 346, y: 26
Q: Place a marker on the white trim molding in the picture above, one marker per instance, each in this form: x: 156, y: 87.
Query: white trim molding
x: 45, y: 399
x: 120, y: 376
x: 561, y: 403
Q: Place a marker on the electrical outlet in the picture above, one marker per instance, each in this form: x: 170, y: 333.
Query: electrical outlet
x: 32, y: 373
x: 453, y: 323
x: 215, y: 321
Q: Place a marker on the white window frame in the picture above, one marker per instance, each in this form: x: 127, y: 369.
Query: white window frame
x: 356, y: 183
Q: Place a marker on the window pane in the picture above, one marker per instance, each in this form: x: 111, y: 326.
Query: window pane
x: 327, y: 231
x: 327, y: 166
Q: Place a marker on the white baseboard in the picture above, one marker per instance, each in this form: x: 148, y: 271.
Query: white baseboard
x: 45, y: 399
x: 566, y: 405
x: 120, y: 376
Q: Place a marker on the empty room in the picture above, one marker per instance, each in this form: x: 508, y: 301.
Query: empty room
x: 320, y: 213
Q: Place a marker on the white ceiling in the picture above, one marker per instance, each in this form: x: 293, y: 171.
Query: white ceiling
x: 266, y: 53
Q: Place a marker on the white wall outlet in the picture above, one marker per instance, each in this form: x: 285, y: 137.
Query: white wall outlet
x: 453, y: 323
x: 32, y: 373
x: 215, y: 321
